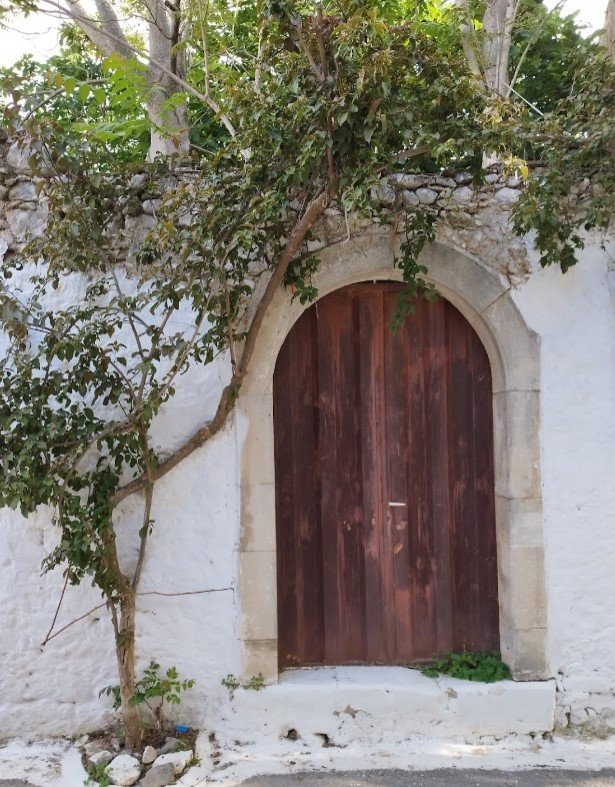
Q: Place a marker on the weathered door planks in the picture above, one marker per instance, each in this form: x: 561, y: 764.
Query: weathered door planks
x: 384, y: 484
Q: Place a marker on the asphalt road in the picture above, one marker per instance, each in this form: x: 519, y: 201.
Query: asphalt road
x: 438, y: 778
x: 441, y: 778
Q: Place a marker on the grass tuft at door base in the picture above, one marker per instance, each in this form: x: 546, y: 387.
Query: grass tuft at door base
x: 480, y: 667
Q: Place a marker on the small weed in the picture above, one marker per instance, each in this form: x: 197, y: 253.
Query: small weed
x: 481, y: 667
x: 154, y: 691
x: 97, y: 774
x: 255, y: 683
x: 232, y: 683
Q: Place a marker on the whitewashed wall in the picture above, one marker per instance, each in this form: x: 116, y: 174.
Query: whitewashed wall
x: 54, y: 689
x: 575, y: 318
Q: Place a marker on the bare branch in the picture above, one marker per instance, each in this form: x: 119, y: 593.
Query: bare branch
x: 147, y: 508
x: 72, y: 622
x: 55, y: 617
x: 114, y: 613
x: 106, y: 34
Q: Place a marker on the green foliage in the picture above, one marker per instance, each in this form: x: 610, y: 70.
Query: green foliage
x: 575, y: 191
x: 418, y: 229
x: 79, y: 93
x: 549, y: 50
x: 480, y: 667
x: 153, y: 691
x: 255, y: 683
x: 97, y: 774
x: 232, y: 683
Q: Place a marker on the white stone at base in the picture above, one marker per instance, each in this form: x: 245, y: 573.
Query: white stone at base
x: 375, y: 704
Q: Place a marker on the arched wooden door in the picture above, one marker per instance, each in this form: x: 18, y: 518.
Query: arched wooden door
x: 384, y: 484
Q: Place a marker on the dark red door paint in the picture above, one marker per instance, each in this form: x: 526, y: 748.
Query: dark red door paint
x: 384, y: 484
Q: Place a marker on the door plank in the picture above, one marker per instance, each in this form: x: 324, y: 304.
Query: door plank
x: 300, y: 598
x: 365, y: 418
x: 380, y: 633
x: 341, y: 480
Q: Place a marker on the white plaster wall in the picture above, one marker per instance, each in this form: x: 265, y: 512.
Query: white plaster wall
x: 53, y: 690
x: 575, y: 318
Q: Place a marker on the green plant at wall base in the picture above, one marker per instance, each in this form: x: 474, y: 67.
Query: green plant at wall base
x: 232, y: 683
x: 97, y: 774
x: 153, y: 691
x: 255, y: 683
x: 480, y: 667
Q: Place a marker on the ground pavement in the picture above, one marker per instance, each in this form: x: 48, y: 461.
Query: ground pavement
x: 440, y: 778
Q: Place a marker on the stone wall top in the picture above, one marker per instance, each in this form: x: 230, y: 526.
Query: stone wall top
x: 473, y: 219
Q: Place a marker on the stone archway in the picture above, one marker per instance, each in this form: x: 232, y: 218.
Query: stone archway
x: 484, y: 298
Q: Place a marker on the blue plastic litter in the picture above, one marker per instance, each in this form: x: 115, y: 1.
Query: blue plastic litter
x: 181, y: 728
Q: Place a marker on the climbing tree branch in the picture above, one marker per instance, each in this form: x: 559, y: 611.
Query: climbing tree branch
x: 313, y: 212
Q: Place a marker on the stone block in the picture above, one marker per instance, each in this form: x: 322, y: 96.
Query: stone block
x: 159, y: 776
x: 523, y: 603
x: 519, y: 346
x: 409, y: 198
x: 258, y: 582
x: 516, y: 426
x: 463, y: 194
x: 260, y: 657
x: 369, y: 705
x: 177, y: 759
x: 426, y: 196
x: 24, y: 190
x: 525, y: 652
x: 257, y: 518
x: 520, y: 521
x: 124, y: 770
x: 258, y: 453
x: 457, y: 273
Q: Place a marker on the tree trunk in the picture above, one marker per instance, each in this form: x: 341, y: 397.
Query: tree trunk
x: 125, y: 651
x: 488, y: 51
x: 170, y: 134
x: 608, y: 37
x: 497, y: 28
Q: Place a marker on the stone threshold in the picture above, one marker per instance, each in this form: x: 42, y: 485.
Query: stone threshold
x: 337, y: 706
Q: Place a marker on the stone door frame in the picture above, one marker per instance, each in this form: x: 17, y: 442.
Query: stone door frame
x: 484, y: 298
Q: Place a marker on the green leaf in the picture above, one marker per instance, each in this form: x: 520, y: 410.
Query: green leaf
x: 70, y: 83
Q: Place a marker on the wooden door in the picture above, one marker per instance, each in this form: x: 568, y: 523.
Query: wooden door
x: 384, y: 484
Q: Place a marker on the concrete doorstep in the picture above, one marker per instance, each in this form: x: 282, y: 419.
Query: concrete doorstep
x: 379, y: 704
